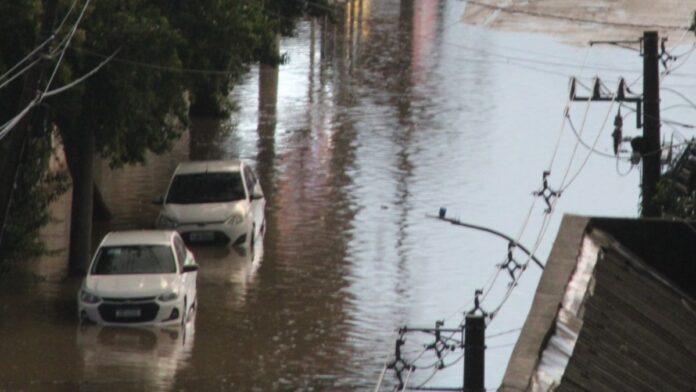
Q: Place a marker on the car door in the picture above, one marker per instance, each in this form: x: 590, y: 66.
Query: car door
x: 188, y: 279
x: 257, y: 205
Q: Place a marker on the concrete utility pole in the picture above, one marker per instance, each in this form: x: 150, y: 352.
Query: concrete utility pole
x: 649, y: 145
x: 651, y: 122
x: 474, y: 353
x: 12, y: 147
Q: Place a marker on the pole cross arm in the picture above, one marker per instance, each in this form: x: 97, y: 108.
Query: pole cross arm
x: 620, y: 96
x: 457, y: 222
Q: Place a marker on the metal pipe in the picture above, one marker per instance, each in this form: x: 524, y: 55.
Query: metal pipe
x: 491, y: 231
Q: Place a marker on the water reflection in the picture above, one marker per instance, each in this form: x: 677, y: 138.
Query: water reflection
x: 128, y: 358
x: 373, y: 123
x: 229, y: 270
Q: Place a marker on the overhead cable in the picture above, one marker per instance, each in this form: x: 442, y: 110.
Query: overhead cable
x: 67, y: 44
x: 576, y: 19
x: 34, y: 51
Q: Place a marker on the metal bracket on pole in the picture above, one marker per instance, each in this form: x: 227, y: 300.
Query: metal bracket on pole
x: 621, y: 96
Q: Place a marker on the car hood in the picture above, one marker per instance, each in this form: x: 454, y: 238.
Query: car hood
x: 204, y: 213
x: 128, y: 286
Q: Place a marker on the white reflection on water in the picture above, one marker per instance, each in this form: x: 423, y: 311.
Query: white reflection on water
x: 132, y: 358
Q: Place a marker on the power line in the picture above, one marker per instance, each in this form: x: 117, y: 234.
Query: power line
x: 18, y: 74
x: 584, y: 144
x: 681, y: 95
x: 540, y: 62
x: 158, y: 67
x: 589, y: 154
x: 80, y: 79
x: 495, y: 335
x: 67, y: 44
x: 34, y: 51
x: 9, y: 125
x: 575, y: 19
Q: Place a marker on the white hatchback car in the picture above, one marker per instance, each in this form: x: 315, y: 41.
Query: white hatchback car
x: 139, y: 278
x: 214, y: 201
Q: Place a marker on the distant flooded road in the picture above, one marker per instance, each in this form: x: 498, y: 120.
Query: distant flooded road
x: 398, y: 109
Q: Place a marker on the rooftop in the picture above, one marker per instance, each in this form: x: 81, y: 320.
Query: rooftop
x: 138, y: 237
x: 614, y: 310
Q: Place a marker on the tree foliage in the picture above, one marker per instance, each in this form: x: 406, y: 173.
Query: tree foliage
x: 174, y: 58
x: 29, y: 212
x: 20, y: 22
x: 672, y: 203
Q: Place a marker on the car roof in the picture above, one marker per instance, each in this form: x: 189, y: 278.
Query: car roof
x: 138, y: 237
x: 231, y: 165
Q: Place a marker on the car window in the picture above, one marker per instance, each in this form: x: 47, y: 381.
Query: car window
x: 206, y: 188
x: 180, y: 251
x: 134, y: 259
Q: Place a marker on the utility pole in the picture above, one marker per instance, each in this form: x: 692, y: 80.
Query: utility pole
x: 651, y: 122
x: 12, y: 147
x: 474, y: 353
x: 648, y: 146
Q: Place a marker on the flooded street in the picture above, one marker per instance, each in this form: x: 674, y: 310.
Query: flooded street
x: 397, y: 110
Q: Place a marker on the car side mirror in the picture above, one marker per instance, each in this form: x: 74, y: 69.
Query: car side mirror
x: 256, y: 196
x: 158, y: 201
x: 190, y: 268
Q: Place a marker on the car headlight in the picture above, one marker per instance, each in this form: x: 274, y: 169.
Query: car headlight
x: 170, y: 296
x: 235, y: 219
x: 167, y: 222
x: 87, y: 297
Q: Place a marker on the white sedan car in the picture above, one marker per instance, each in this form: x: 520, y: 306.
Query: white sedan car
x: 139, y: 278
x: 214, y: 201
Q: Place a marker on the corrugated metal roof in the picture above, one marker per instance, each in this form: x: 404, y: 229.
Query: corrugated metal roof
x: 638, y: 332
x: 635, y: 328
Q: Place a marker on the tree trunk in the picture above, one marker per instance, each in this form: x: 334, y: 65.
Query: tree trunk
x: 79, y: 153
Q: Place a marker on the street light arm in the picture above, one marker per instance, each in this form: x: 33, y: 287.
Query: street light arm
x: 491, y: 231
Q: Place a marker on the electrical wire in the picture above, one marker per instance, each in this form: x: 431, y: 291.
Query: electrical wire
x: 381, y: 376
x: 681, y: 95
x: 67, y: 44
x: 408, y: 377
x: 9, y: 125
x: 156, y: 66
x: 677, y: 106
x: 495, y: 335
x: 590, y: 148
x: 575, y: 148
x: 564, y: 118
x: 575, y: 19
x: 539, y: 62
x: 34, y: 51
x: 547, y: 218
x: 20, y: 73
x: 500, y: 346
x: 624, y: 174
x: 80, y: 79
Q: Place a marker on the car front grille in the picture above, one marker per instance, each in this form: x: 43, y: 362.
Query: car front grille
x: 128, y: 312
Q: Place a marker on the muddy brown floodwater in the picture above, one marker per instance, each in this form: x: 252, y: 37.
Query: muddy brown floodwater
x: 398, y: 109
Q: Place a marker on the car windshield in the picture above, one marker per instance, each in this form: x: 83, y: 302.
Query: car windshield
x: 134, y: 259
x: 206, y: 188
